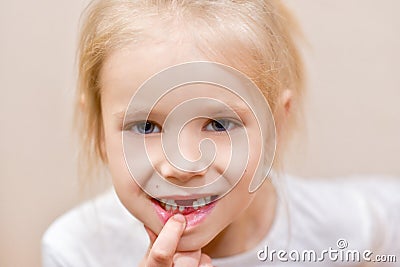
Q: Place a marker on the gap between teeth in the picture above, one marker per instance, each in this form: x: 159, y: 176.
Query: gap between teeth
x: 170, y: 204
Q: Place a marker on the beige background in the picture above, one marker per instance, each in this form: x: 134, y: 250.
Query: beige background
x: 353, y: 106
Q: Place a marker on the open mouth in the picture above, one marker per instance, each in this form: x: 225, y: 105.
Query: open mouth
x: 194, y: 209
x: 185, y: 206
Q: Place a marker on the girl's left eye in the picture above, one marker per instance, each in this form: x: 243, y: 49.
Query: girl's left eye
x: 146, y: 127
x: 220, y: 125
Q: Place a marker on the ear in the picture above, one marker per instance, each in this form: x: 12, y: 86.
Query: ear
x: 284, y: 106
x: 102, y: 141
x: 286, y: 101
x: 82, y: 101
x: 103, y: 151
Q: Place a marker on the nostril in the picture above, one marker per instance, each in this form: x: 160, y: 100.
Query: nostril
x: 186, y: 181
x: 170, y: 172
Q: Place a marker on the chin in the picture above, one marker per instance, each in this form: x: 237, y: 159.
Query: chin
x: 195, y: 241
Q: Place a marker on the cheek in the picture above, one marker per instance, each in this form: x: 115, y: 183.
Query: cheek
x: 153, y: 151
x: 122, y: 180
x: 255, y: 139
x: 244, y: 157
x: 223, y: 155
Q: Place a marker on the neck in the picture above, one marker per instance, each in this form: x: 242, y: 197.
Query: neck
x: 249, y: 229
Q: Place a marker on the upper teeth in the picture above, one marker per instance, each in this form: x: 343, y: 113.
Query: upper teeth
x: 170, y: 204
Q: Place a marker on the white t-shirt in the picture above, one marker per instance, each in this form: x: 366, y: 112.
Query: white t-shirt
x: 351, y: 216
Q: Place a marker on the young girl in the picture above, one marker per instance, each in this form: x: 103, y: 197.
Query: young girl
x: 130, y: 49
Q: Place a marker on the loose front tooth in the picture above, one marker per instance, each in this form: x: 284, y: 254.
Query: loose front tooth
x: 195, y: 205
x: 181, y: 208
x: 201, y: 202
x: 167, y: 207
x: 174, y: 207
x: 208, y: 199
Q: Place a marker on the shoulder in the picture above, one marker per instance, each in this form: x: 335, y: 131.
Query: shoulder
x: 364, y: 210
x: 100, y: 232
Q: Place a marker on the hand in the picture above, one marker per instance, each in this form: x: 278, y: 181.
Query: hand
x: 162, y: 250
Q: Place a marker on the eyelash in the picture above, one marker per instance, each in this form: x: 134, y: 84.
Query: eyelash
x: 217, y: 122
x: 220, y: 122
x: 144, y: 124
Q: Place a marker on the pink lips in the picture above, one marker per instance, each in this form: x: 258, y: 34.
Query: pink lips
x: 193, y: 217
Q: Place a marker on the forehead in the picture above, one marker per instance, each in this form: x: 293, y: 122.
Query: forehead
x: 125, y: 70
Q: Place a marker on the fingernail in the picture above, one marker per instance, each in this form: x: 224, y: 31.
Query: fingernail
x: 179, y: 218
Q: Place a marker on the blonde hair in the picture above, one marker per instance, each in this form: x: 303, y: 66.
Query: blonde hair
x: 259, y: 33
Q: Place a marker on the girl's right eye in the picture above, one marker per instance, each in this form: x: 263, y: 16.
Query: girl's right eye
x: 145, y: 127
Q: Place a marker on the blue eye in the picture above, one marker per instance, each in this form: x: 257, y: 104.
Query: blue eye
x: 220, y: 125
x: 146, y: 127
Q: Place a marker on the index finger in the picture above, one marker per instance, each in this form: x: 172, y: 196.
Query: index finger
x: 163, y: 250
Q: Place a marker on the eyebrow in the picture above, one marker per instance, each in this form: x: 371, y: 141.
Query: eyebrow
x: 235, y: 108
x: 145, y: 111
x: 132, y: 111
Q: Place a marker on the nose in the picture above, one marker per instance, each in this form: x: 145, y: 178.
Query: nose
x: 180, y: 177
x: 188, y: 148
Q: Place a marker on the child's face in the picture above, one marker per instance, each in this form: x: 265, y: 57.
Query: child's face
x: 121, y: 76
